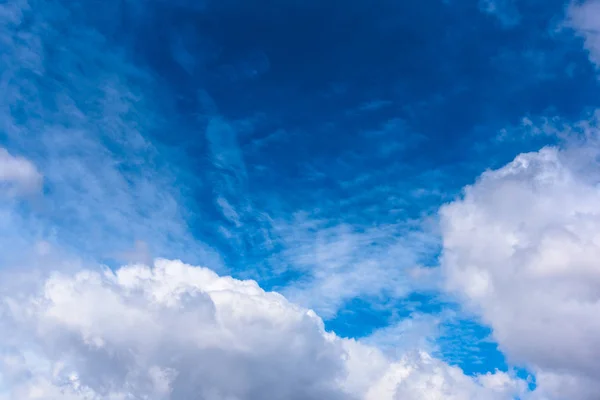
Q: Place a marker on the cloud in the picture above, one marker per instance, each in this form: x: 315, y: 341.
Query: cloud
x: 244, y: 226
x: 504, y: 10
x: 81, y: 111
x: 584, y: 17
x: 339, y: 261
x: 18, y: 176
x: 418, y: 331
x: 178, y: 332
x: 521, y: 248
x: 426, y: 378
x: 77, y: 108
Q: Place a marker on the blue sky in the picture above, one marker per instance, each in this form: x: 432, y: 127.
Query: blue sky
x: 307, y: 145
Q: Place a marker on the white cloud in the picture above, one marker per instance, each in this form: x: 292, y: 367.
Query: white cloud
x: 521, y: 248
x: 177, y: 332
x: 418, y: 331
x: 584, y: 17
x: 422, y: 377
x: 340, y: 261
x: 82, y: 117
x: 18, y: 176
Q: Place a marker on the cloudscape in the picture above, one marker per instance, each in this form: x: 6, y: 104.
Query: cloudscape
x: 304, y: 200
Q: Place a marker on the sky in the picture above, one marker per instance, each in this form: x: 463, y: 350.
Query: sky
x: 256, y: 200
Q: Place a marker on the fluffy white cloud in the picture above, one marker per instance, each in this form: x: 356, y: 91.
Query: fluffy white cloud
x: 584, y: 17
x: 422, y: 377
x: 175, y: 331
x: 522, y: 248
x: 18, y: 176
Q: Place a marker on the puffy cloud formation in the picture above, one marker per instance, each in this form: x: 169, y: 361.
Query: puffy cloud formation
x: 18, y: 176
x: 584, y: 17
x: 522, y: 248
x: 173, y: 331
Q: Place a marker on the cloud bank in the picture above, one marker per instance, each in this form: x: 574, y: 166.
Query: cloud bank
x: 521, y: 248
x: 174, y: 331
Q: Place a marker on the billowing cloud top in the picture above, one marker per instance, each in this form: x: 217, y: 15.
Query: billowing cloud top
x: 584, y: 17
x: 522, y: 249
x: 173, y: 331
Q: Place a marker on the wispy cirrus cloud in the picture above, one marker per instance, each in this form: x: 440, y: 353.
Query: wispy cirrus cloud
x: 339, y: 262
x: 74, y: 105
x: 317, y: 258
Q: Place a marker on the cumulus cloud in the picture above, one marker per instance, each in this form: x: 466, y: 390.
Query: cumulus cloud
x: 521, y: 247
x: 173, y: 331
x: 18, y: 176
x: 423, y: 377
